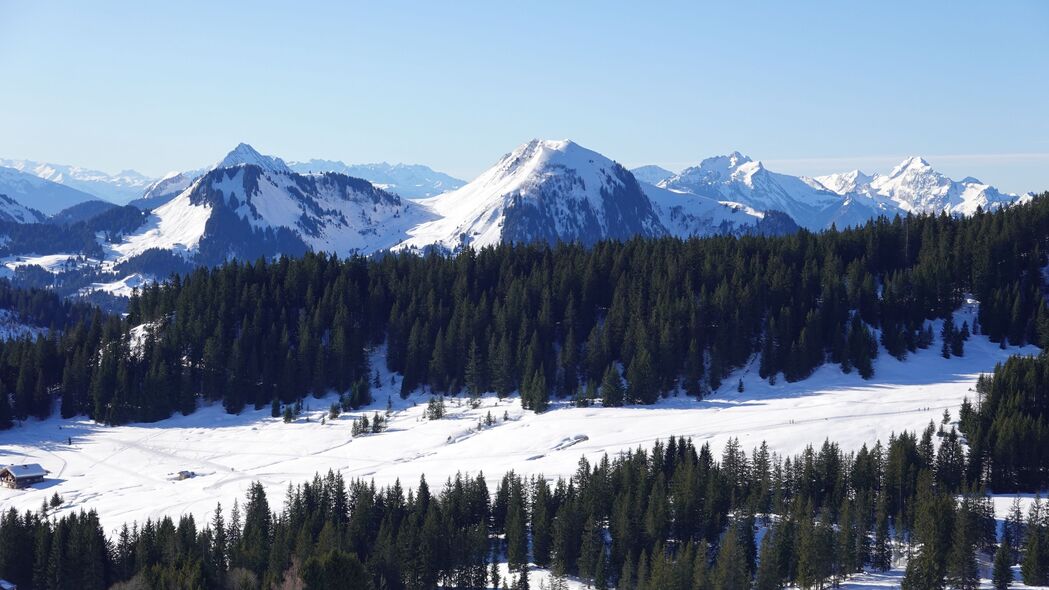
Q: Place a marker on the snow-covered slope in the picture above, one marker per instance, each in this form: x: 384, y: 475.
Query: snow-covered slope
x: 845, y: 182
x: 543, y: 191
x: 116, y: 188
x: 32, y: 192
x: 843, y: 199
x: 12, y: 210
x: 245, y: 155
x: 124, y: 471
x: 163, y: 190
x: 253, y: 205
x: 413, y: 181
x: 914, y: 186
x: 739, y: 179
x: 686, y: 215
x: 651, y: 174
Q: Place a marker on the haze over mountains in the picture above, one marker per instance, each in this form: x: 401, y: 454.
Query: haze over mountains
x: 249, y: 205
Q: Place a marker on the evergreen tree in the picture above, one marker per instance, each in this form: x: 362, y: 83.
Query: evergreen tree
x: 730, y: 573
x: 1002, y: 575
x: 612, y: 391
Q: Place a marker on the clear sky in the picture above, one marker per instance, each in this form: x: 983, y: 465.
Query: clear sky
x: 806, y: 86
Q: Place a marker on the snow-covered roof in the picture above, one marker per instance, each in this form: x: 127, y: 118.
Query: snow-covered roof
x: 26, y: 470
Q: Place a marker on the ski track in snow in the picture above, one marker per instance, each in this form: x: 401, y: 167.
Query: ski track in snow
x: 126, y: 472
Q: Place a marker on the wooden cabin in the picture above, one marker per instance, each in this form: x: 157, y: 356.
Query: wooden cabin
x: 20, y: 476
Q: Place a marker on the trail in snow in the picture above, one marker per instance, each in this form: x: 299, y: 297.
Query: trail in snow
x: 125, y: 472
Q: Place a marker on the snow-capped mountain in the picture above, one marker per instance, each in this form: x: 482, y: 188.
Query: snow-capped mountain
x: 413, y: 181
x: 117, y: 188
x: 915, y: 187
x: 845, y: 182
x: 651, y: 174
x: 163, y: 190
x: 737, y: 178
x: 32, y: 192
x: 250, y: 205
x: 558, y: 191
x: 843, y: 199
x: 173, y: 183
x: 245, y: 155
x: 543, y: 191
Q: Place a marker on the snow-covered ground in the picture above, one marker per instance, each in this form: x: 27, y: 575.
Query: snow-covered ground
x: 12, y: 328
x: 126, y: 472
x: 122, y: 287
x: 53, y: 263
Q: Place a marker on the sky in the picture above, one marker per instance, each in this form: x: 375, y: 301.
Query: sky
x: 808, y: 87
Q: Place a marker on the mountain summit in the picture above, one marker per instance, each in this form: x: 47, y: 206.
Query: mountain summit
x: 545, y: 190
x: 245, y: 155
x: 914, y: 186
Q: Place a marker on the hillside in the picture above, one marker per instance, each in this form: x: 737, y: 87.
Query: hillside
x: 664, y: 314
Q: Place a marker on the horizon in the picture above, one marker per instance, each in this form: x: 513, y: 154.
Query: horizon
x: 455, y: 87
x: 870, y: 165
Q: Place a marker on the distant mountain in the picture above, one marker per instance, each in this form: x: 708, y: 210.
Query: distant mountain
x: 117, y: 188
x: 558, y: 191
x: 81, y: 212
x: 413, y: 181
x: 13, y: 211
x: 844, y: 199
x: 250, y: 205
x: 545, y: 191
x: 738, y: 179
x: 163, y: 190
x: 915, y: 187
x: 36, y: 193
x: 651, y: 174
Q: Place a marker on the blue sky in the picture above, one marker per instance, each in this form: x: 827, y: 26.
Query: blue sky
x: 808, y: 87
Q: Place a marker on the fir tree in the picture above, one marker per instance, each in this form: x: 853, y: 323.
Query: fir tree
x: 612, y: 391
x: 1002, y: 575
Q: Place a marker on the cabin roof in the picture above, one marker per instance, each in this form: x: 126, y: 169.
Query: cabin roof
x: 24, y: 470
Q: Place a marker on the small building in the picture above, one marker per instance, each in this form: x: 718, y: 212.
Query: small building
x: 20, y: 476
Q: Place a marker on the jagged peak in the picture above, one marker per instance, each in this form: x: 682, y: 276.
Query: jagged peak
x: 245, y: 155
x: 911, y: 163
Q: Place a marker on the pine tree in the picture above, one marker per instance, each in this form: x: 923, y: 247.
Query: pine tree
x: 730, y: 573
x: 1002, y: 576
x: 1034, y: 566
x: 475, y: 377
x: 962, y: 571
x: 768, y: 575
x: 947, y: 337
x: 612, y: 391
x: 642, y: 387
x: 881, y: 556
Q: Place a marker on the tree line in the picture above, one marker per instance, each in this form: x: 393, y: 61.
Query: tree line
x: 1008, y: 427
x: 672, y: 517
x: 628, y: 321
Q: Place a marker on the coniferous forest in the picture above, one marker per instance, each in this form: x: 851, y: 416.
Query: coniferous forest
x: 661, y: 315
x: 673, y: 517
x: 627, y: 322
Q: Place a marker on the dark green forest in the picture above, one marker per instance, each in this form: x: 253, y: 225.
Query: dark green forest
x: 626, y: 322
x: 673, y: 517
x: 549, y: 322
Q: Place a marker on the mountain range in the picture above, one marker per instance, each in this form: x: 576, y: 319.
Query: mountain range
x: 249, y: 205
x: 51, y: 188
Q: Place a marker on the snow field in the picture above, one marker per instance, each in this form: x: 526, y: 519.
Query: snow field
x: 125, y: 472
